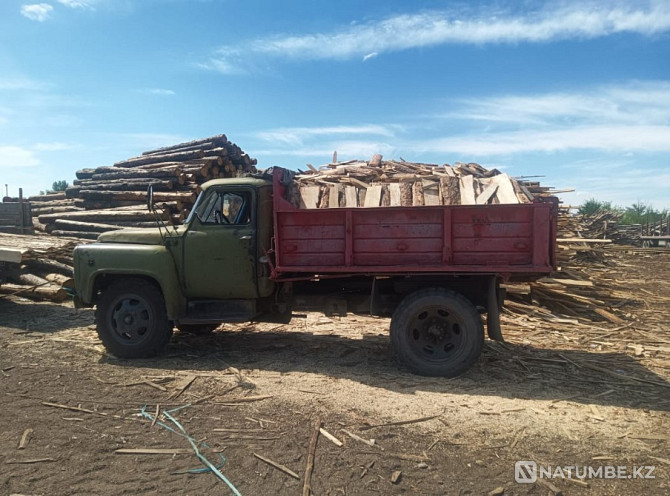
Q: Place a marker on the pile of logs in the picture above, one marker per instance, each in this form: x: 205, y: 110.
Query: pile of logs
x: 52, y: 203
x: 115, y: 197
x: 606, y: 225
x: 393, y: 183
x: 42, y: 269
x: 575, y: 293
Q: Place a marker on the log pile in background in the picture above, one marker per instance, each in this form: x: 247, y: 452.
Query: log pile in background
x: 52, y: 203
x: 175, y: 172
x: 606, y: 225
x: 44, y: 271
x: 392, y: 183
x: 584, y: 287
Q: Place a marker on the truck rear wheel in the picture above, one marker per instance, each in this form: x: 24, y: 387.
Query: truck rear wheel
x: 437, y: 332
x: 131, y: 319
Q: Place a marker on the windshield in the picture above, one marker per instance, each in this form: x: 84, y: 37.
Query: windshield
x: 196, y: 207
x: 223, y: 207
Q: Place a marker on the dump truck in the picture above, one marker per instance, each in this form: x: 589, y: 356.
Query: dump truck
x: 246, y: 254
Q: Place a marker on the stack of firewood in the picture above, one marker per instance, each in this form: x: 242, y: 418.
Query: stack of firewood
x: 393, y: 183
x: 115, y: 197
x: 43, y: 269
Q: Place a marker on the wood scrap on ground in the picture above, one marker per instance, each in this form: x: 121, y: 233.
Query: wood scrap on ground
x: 25, y: 438
x: 307, y: 485
x: 278, y: 466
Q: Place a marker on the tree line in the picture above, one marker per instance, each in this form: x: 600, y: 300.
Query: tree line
x: 637, y: 213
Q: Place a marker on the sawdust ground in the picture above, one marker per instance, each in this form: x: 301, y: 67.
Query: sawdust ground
x: 558, y: 395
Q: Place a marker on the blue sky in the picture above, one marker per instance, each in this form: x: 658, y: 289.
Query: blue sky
x: 576, y: 91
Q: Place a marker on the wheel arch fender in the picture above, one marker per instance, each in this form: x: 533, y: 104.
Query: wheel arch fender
x: 111, y: 263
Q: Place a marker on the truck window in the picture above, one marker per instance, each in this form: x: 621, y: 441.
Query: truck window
x: 227, y: 208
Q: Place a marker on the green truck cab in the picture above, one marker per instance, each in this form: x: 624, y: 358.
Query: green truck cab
x: 210, y: 270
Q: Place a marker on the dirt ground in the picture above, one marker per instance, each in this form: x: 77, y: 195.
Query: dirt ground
x: 588, y: 395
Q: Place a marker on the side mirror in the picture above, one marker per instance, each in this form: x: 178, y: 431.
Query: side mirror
x: 150, y: 197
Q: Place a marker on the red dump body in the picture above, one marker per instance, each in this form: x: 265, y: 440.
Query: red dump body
x: 516, y: 242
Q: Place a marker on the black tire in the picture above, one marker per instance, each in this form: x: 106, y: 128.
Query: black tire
x: 437, y: 332
x: 282, y: 317
x: 198, y: 329
x: 131, y: 319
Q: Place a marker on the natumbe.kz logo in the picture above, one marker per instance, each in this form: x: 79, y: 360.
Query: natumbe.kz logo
x: 527, y: 472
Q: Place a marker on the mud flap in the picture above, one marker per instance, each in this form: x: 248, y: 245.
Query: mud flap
x: 493, y: 328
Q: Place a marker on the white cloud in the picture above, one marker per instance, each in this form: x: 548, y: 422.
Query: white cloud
x: 370, y: 56
x: 226, y: 60
x: 298, y: 135
x: 37, y: 12
x: 632, y: 103
x: 14, y: 156
x: 17, y: 83
x: 570, y: 20
x: 157, y: 91
x: 603, y: 138
x: 54, y: 146
x: 626, y: 117
x: 317, y: 144
x: 624, y: 183
x: 322, y: 152
x: 78, y: 4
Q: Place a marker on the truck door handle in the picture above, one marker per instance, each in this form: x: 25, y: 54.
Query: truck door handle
x: 245, y: 238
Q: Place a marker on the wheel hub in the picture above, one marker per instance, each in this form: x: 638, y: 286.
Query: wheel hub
x: 131, y: 319
x: 436, y: 328
x: 435, y: 333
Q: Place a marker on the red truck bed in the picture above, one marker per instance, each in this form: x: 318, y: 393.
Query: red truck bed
x: 514, y: 241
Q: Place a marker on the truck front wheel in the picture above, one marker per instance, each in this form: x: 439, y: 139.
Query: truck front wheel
x: 131, y: 319
x: 437, y: 332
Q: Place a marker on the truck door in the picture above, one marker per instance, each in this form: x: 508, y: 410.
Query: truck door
x: 220, y: 246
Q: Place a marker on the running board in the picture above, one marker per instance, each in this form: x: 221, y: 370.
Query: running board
x: 217, y: 311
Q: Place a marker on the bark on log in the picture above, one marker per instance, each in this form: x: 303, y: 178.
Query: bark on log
x: 49, y: 265
x: 49, y: 197
x: 141, y: 196
x: 36, y: 212
x: 174, y: 173
x: 199, y: 168
x: 61, y: 280
x: 76, y: 234
x: 152, y: 159
x: 450, y: 190
x: 156, y: 165
x: 417, y: 193
x: 67, y: 202
x: 75, y: 225
x: 104, y: 204
x: 49, y: 292
x: 406, y: 194
x: 84, y: 173
x: 104, y: 216
x: 324, y: 198
x: 219, y: 139
x: 376, y: 160
x: 31, y: 280
x: 131, y: 184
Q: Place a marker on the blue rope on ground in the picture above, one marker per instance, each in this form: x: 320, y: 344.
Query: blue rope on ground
x: 182, y: 432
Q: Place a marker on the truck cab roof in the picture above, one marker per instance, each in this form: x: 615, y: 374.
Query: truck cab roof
x: 237, y: 181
